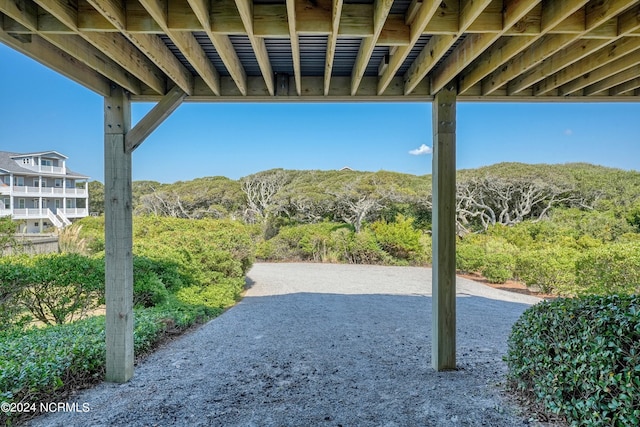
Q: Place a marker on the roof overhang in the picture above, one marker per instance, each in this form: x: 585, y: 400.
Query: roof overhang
x: 337, y: 50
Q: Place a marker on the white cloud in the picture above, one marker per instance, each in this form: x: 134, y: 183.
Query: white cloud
x: 423, y: 149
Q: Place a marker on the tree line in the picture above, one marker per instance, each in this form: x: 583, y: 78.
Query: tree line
x: 506, y: 194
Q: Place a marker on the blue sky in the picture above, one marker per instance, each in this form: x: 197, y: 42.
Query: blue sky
x: 41, y: 110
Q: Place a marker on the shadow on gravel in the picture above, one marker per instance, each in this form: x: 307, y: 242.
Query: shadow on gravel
x: 313, y: 359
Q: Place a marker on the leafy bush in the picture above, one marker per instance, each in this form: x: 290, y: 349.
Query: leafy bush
x: 498, y: 267
x: 205, y: 250
x: 614, y: 268
x: 399, y: 239
x: 223, y: 294
x: 470, y: 258
x: 54, y: 288
x: 62, y: 358
x: 580, y: 358
x: 12, y: 276
x: 552, y: 269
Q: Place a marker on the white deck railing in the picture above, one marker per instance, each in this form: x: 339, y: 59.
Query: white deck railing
x: 47, y: 191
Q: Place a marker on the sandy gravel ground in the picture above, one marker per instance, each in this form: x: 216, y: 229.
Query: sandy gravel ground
x: 322, y: 345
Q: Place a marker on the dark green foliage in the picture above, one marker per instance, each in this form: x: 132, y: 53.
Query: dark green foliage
x: 7, y: 232
x: 399, y: 238
x: 45, y: 364
x: 581, y: 358
x: 396, y: 243
x: 53, y: 288
x: 96, y: 197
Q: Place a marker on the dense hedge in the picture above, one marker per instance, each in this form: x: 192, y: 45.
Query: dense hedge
x: 381, y: 242
x: 581, y: 358
x: 44, y: 365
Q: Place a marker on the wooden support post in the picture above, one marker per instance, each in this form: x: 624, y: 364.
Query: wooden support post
x: 444, y: 231
x: 118, y: 238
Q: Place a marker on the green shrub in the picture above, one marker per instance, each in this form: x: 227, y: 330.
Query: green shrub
x: 399, y: 239
x: 46, y: 364
x: 12, y: 280
x: 58, y: 288
x: 609, y: 269
x: 498, y: 267
x: 470, y: 258
x: 219, y: 295
x: 552, y: 270
x: 204, y: 250
x: 580, y: 358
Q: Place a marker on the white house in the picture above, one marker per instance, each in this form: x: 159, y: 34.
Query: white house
x: 39, y: 190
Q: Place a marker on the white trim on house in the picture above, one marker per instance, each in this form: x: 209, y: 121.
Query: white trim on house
x: 54, y: 197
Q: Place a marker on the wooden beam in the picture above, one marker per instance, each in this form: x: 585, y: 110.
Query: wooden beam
x: 40, y: 50
x: 222, y: 43
x: 186, y: 44
x: 295, y: 44
x: 570, y: 79
x: 579, y: 52
x: 600, y: 13
x: 614, y: 74
x: 438, y: 46
x: 443, y: 345
x: 381, y: 10
x: 625, y: 87
x: 474, y: 45
x: 336, y: 14
x: 115, y: 46
x: 245, y: 8
x: 571, y: 54
x: 154, y: 118
x: 118, y: 239
x: 149, y: 46
x: 419, y: 19
x: 27, y: 15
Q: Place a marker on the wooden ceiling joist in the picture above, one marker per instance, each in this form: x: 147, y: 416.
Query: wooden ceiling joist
x: 332, y: 39
x: 27, y: 16
x: 222, y: 43
x: 332, y: 50
x: 44, y: 52
x: 476, y: 44
x: 438, y: 46
x: 245, y: 8
x: 381, y: 10
x: 187, y: 44
x: 148, y: 45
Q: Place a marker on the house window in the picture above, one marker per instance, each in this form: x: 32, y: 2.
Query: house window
x: 71, y: 183
x: 36, y: 203
x: 58, y: 202
x: 21, y: 204
x: 44, y: 203
x: 70, y: 203
x: 26, y: 161
x: 19, y: 181
x: 58, y: 183
x: 36, y: 182
x: 44, y: 182
x: 6, y: 179
x: 46, y: 162
x: 7, y: 203
x: 36, y: 224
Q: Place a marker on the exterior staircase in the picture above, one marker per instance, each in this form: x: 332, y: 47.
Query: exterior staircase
x: 63, y: 218
x: 54, y: 219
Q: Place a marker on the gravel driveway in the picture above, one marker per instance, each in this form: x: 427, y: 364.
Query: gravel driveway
x: 322, y: 345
